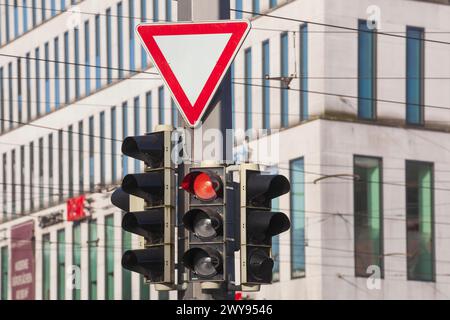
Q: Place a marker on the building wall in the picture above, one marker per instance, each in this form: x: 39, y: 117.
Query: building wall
x: 327, y: 140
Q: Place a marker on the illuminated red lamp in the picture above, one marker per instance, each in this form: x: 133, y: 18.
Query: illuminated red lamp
x: 204, y: 186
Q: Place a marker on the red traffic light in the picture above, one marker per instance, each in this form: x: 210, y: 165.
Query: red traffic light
x: 205, y: 186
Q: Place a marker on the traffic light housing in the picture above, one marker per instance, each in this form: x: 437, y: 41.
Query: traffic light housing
x: 150, y: 207
x: 205, y: 221
x: 258, y: 223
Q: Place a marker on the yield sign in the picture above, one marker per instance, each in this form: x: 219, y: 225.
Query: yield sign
x: 193, y: 58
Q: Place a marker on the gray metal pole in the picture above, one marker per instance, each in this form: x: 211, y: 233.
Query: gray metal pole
x: 219, y: 114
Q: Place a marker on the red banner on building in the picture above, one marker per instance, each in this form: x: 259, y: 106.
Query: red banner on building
x: 23, y: 261
x: 75, y: 208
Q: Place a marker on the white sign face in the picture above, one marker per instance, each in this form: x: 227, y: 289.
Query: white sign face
x: 192, y: 59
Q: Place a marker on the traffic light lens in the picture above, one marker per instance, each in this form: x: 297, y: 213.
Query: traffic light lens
x: 204, y: 187
x: 205, y: 267
x: 203, y: 228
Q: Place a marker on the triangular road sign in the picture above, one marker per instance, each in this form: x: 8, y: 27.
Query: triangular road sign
x: 192, y: 59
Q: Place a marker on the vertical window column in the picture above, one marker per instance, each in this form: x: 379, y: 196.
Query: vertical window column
x: 144, y: 61
x: 70, y: 158
x: 148, y: 112
x: 113, y: 145
x: 131, y: 34
x: 284, y: 69
x: 60, y: 166
x: 61, y: 264
x: 76, y: 256
x: 102, y: 149
x: 266, y: 84
x: 66, y: 68
x: 248, y: 88
x: 124, y: 135
x: 297, y: 200
x: 92, y: 256
x: 126, y: 274
x: 108, y: 46
x: 47, y: 77
x: 4, y: 272
x: 57, y: 65
x: 91, y: 155
x: 80, y: 157
x: 98, y: 73
x: 367, y: 71
x: 415, y: 51
x: 368, y: 215
x: 161, y: 105
x: 120, y: 39
x: 109, y: 257
x: 46, y: 250
x: 137, y: 130
x: 304, y: 72
x: 87, y: 58
x: 419, y: 221
x: 50, y: 169
x: 76, y: 54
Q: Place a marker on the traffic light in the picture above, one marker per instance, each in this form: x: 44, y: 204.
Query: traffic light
x: 206, y: 222
x: 258, y: 224
x: 149, y: 201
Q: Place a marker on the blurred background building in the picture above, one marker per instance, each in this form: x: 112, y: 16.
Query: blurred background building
x: 363, y: 139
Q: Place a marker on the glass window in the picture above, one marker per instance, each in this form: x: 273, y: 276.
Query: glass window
x: 144, y: 61
x: 63, y: 4
x: 7, y: 20
x: 80, y: 157
x: 57, y: 93
x: 76, y: 54
x: 131, y: 33
x: 419, y: 221
x: 66, y: 67
x: 60, y: 166
x: 41, y: 172
x: 239, y: 9
x: 124, y: 135
x: 119, y: 38
x: 102, y: 149
x: 50, y: 168
x: 76, y: 256
x: 47, y: 77
x: 28, y: 84
x: 304, y: 73
x: 163, y: 295
x: 155, y: 10
x: 368, y: 215
x: 5, y: 186
x: 4, y: 272
x: 37, y: 82
x: 137, y: 129
x: 46, y: 249
x: 13, y: 182
x: 92, y: 254
x: 414, y: 75
x: 70, y: 158
x: 276, y: 246
x: 91, y: 155
x: 2, y: 102
x: 19, y: 89
x: 255, y: 6
x: 53, y: 7
x: 98, y: 73
x: 31, y: 184
x: 108, y: 46
x: 109, y: 257
x: 297, y: 199
x: 16, y: 19
x: 233, y: 97
x: 174, y: 113
x: 148, y: 111
x: 144, y: 288
x: 367, y: 72
x: 87, y: 58
x: 25, y: 15
x: 161, y: 105
x: 248, y: 88
x: 33, y: 12
x: 61, y: 261
x: 113, y: 145
x: 266, y: 84
x: 126, y: 274
x: 43, y: 9
x: 272, y: 3
x: 168, y: 10
x: 284, y: 67
x: 22, y: 179
x: 11, y: 96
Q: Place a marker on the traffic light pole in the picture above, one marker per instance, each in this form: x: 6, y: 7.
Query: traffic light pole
x: 218, y: 116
